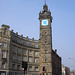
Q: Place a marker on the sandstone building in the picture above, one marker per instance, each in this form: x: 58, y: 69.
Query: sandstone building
x: 72, y: 72
x: 65, y: 70
x: 15, y: 48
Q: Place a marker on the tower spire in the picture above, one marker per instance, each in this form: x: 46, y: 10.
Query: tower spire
x: 45, y: 7
x: 45, y: 1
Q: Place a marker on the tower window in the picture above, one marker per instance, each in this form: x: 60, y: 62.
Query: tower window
x: 45, y: 42
x: 36, y: 68
x: 45, y: 60
x: 46, y: 51
x: 45, y: 33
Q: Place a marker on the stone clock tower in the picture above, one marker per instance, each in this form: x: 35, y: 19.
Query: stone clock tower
x: 45, y: 41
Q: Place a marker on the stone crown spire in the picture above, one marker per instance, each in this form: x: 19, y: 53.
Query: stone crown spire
x: 45, y: 7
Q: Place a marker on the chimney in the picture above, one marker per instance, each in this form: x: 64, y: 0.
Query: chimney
x: 55, y: 50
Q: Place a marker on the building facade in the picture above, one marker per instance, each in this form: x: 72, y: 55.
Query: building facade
x: 65, y: 70
x: 72, y: 72
x: 14, y: 49
x: 39, y: 54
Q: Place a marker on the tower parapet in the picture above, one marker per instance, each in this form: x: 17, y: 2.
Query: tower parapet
x: 45, y: 13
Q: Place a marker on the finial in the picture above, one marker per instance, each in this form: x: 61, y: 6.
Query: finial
x: 45, y: 2
x: 40, y: 11
x: 45, y: 7
x: 49, y: 10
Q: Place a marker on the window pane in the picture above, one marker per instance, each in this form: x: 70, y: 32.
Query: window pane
x: 24, y: 43
x: 13, y: 56
x: 3, y: 54
x: 19, y: 58
x: 36, y: 45
x: 36, y: 69
x: 24, y: 51
x: 36, y: 60
x: 14, y: 39
x: 13, y: 48
x: 18, y: 50
x: 24, y: 58
x: 18, y: 67
x: 30, y: 68
x: 4, y: 44
x: 13, y: 66
x: 3, y: 65
x: 0, y: 43
x: 30, y: 51
x: 36, y: 53
x: 30, y: 59
x: 30, y: 44
x: 18, y: 41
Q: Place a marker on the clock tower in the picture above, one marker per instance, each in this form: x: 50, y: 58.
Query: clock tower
x: 45, y: 41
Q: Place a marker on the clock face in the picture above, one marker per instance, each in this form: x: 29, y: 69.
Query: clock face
x: 45, y: 22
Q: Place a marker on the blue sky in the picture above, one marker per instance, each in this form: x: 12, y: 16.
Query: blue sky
x: 22, y: 16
